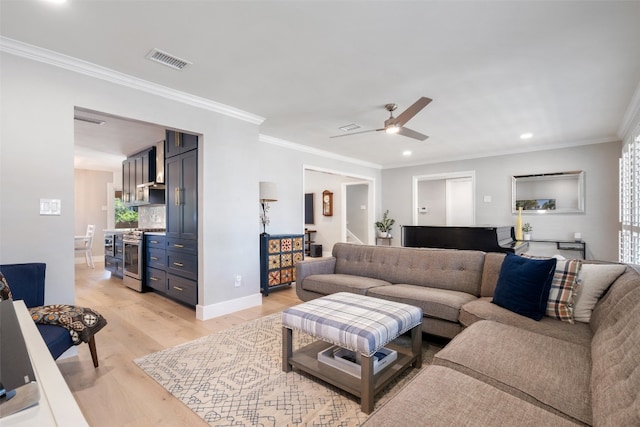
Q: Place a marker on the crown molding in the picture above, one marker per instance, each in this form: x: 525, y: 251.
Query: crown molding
x: 310, y: 150
x: 66, y: 62
x: 497, y: 153
x: 631, y: 116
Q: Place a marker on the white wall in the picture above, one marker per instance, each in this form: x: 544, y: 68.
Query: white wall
x: 599, y: 225
x: 36, y: 161
x: 357, y: 217
x: 432, y: 195
x: 329, y: 228
x: 90, y: 191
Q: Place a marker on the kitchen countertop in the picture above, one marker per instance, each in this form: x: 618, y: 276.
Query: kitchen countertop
x: 116, y: 230
x: 155, y: 233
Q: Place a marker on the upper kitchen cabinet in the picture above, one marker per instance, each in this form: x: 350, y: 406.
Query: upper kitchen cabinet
x: 181, y: 177
x: 139, y: 173
x: 179, y: 142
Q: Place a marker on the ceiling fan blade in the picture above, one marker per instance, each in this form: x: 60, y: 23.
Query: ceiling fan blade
x: 412, y: 111
x: 412, y: 134
x: 355, y: 133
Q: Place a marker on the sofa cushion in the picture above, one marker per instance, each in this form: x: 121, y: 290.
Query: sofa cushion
x: 490, y: 273
x: 523, y: 285
x: 438, y: 303
x: 482, y: 309
x: 443, y: 397
x: 457, y: 270
x: 541, y: 370
x: 563, y: 290
x: 327, y: 284
x: 594, y: 279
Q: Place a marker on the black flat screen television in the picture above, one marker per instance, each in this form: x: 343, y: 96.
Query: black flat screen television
x: 18, y: 387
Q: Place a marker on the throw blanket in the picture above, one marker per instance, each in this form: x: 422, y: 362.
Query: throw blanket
x: 81, y: 322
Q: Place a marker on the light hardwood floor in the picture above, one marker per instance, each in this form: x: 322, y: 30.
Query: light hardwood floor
x: 118, y: 393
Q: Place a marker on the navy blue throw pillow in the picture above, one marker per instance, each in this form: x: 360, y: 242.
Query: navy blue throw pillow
x: 523, y: 285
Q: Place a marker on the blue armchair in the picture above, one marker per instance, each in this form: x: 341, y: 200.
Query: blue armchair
x: 27, y: 283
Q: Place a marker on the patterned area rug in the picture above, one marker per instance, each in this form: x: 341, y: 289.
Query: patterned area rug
x: 235, y: 378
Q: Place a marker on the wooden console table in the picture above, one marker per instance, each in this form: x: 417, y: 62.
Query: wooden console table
x: 308, y: 241
x: 566, y: 245
x: 384, y: 239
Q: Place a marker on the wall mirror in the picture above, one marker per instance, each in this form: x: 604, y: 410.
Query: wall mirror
x: 548, y: 193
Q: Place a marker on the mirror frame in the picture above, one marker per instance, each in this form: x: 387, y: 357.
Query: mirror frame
x: 550, y: 177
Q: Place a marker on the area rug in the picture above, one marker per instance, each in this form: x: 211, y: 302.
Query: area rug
x: 235, y: 378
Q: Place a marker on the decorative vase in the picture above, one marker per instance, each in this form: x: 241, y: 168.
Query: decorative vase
x: 527, y: 236
x: 519, y: 225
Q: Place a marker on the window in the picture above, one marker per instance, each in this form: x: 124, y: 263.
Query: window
x: 126, y: 216
x: 629, y: 234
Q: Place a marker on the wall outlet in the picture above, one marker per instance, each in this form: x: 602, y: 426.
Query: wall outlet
x: 238, y: 281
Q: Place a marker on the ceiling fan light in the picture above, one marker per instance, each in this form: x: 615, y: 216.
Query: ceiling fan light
x: 392, y: 129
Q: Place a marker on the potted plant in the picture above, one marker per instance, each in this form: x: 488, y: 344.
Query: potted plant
x: 527, y: 229
x: 384, y: 226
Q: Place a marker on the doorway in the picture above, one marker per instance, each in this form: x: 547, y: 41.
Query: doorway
x: 353, y: 207
x: 444, y: 199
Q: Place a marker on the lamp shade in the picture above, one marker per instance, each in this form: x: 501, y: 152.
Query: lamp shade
x: 268, y: 192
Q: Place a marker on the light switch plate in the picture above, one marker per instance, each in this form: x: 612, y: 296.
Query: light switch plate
x: 50, y: 207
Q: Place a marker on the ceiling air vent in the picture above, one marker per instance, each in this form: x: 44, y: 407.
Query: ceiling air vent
x: 349, y: 128
x: 167, y: 59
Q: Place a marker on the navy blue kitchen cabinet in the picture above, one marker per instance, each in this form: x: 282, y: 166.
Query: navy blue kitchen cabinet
x: 181, y: 176
x: 179, y: 142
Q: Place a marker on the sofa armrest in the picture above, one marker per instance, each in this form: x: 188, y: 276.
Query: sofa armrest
x: 309, y: 267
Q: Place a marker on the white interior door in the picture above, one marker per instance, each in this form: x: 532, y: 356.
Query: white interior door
x: 459, y: 200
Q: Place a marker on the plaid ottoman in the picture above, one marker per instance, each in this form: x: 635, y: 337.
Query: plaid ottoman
x: 355, y: 322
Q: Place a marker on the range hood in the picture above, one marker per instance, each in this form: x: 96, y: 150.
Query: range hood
x: 158, y: 183
x: 152, y: 192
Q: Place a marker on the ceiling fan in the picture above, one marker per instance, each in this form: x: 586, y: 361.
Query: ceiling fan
x: 396, y: 124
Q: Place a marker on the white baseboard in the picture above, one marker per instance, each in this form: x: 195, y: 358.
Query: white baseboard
x: 206, y: 312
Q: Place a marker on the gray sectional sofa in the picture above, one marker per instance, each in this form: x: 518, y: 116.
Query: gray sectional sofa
x: 500, y: 368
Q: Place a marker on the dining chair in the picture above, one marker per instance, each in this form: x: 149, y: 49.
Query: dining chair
x: 84, y: 245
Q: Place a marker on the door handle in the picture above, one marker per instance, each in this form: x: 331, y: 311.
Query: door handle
x: 177, y: 139
x: 155, y: 279
x: 178, y: 288
x: 155, y: 258
x: 178, y: 264
x: 155, y: 242
x: 176, y: 245
x: 177, y: 196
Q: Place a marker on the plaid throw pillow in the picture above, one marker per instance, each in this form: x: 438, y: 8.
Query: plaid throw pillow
x: 5, y: 291
x: 563, y: 290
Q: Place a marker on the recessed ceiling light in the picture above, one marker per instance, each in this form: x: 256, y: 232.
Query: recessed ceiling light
x: 407, y: 153
x: 526, y: 136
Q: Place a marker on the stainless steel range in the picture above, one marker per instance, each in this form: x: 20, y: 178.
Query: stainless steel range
x: 134, y: 257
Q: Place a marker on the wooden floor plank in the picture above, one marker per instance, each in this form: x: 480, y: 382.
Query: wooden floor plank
x: 118, y: 393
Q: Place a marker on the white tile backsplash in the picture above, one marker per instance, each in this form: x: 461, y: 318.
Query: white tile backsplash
x: 152, y: 217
